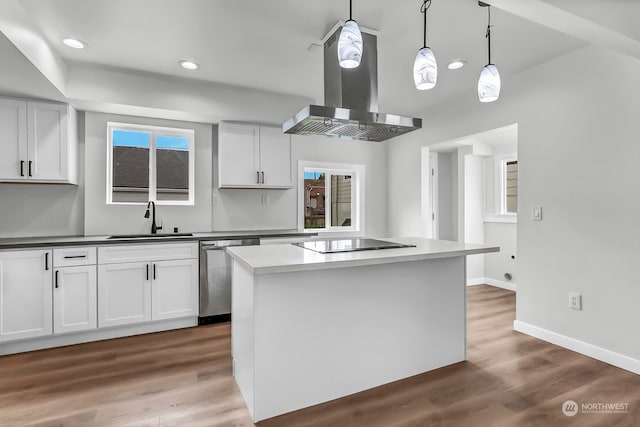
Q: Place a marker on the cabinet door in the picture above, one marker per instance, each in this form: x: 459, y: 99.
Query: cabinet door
x: 275, y: 158
x: 13, y: 140
x: 74, y: 299
x: 238, y: 156
x: 47, y: 141
x: 124, y: 293
x: 25, y: 294
x: 175, y: 289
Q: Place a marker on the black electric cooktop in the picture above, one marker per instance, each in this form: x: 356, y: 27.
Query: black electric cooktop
x: 349, y: 245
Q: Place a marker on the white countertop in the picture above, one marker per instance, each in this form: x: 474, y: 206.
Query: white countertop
x: 287, y: 257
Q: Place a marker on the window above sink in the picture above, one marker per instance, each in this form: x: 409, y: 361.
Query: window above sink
x: 150, y: 163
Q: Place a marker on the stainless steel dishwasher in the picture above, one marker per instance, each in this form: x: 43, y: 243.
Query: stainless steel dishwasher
x: 215, y: 279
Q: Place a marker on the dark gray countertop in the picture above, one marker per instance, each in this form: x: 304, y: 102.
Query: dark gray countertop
x: 34, y: 242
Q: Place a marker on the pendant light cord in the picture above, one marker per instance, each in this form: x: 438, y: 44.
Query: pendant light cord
x: 488, y: 35
x: 425, y: 6
x: 350, y: 10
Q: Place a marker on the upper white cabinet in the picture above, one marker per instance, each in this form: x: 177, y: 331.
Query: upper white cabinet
x: 25, y: 294
x: 38, y: 142
x: 253, y: 156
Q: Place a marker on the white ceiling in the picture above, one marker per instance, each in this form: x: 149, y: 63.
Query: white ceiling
x: 264, y: 44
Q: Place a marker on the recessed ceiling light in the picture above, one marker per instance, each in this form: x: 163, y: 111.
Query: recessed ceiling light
x: 188, y: 65
x: 74, y: 43
x: 457, y: 64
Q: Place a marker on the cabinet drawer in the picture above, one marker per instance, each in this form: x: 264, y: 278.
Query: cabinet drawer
x: 77, y: 255
x: 156, y: 252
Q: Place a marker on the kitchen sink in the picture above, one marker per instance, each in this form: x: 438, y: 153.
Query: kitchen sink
x: 149, y: 236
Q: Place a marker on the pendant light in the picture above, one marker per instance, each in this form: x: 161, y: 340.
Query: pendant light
x: 350, y: 43
x: 489, y: 82
x: 425, y: 68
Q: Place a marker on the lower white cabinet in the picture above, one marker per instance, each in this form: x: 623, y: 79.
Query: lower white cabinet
x: 124, y: 293
x: 141, y: 291
x: 74, y: 299
x: 174, y: 290
x: 25, y: 294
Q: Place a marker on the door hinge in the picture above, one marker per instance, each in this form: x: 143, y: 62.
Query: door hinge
x: 433, y: 217
x: 433, y: 172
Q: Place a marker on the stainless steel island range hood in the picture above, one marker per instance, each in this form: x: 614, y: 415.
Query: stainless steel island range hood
x: 351, y: 98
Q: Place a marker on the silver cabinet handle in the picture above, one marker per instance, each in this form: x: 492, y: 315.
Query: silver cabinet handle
x: 57, y: 282
x: 257, y: 177
x: 263, y: 177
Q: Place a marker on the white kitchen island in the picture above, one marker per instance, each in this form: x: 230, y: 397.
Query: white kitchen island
x: 310, y: 327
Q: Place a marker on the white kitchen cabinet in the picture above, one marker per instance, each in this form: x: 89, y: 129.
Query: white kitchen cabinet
x: 75, y: 288
x: 74, y: 299
x: 39, y: 142
x: 153, y: 287
x: 174, y: 290
x: 25, y: 294
x: 253, y: 156
x: 124, y: 293
x: 13, y: 134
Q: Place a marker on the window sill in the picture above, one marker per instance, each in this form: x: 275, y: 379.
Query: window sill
x: 502, y: 218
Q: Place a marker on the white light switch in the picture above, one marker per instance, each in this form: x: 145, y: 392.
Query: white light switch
x: 536, y: 213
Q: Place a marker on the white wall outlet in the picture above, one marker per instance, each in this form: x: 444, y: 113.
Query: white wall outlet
x: 215, y: 200
x: 575, y: 301
x: 536, y: 213
x: 266, y: 199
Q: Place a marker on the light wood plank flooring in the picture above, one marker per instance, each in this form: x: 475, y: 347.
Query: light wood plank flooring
x: 183, y: 378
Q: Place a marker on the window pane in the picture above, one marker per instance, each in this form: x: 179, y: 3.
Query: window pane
x: 172, y: 168
x: 130, y: 166
x: 314, y: 186
x: 511, y: 187
x: 341, y: 200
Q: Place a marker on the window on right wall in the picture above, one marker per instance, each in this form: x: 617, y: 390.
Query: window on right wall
x: 509, y: 186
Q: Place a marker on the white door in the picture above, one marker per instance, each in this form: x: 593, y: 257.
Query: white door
x: 124, y: 293
x: 175, y: 289
x: 275, y: 157
x: 13, y: 140
x: 75, y: 301
x: 238, y: 155
x: 47, y: 141
x: 25, y: 294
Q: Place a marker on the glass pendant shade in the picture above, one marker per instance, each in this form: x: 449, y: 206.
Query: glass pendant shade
x: 489, y: 84
x: 425, y: 69
x: 350, y: 45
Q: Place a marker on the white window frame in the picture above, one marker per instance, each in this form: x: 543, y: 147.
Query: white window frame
x: 501, y: 170
x: 357, y: 173
x: 153, y: 131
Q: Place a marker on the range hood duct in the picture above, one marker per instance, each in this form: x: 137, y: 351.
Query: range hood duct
x: 351, y: 101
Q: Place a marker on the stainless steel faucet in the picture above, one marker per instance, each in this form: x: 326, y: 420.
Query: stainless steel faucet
x: 154, y: 227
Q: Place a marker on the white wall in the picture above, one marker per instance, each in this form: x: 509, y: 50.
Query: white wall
x: 497, y: 264
x: 473, y: 213
x: 242, y: 209
x: 101, y: 219
x: 447, y: 196
x: 577, y: 155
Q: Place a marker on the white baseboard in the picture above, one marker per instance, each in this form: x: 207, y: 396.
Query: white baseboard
x: 49, y: 341
x: 598, y: 353
x: 492, y: 282
x: 500, y: 284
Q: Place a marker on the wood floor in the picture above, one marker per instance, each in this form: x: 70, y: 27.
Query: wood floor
x: 183, y: 378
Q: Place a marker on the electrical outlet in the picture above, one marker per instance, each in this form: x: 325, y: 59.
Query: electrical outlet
x: 575, y: 301
x: 266, y: 199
